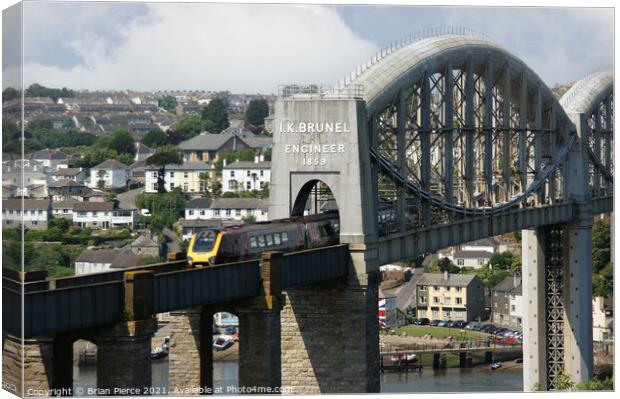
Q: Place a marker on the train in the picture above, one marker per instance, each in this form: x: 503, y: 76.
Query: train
x: 245, y: 242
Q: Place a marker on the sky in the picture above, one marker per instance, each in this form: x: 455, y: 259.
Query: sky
x: 255, y: 48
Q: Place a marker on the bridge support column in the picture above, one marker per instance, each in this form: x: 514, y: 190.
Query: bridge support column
x: 191, y: 354
x: 124, y: 356
x: 259, y: 348
x: 579, y: 361
x: 329, y: 329
x: 40, y: 366
x: 534, y: 332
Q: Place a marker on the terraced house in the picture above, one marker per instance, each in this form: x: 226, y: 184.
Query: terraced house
x: 450, y: 297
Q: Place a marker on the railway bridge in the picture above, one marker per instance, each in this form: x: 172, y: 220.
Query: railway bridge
x: 433, y: 142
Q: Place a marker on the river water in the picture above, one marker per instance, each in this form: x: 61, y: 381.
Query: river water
x: 449, y: 380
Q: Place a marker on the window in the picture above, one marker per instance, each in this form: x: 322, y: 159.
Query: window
x: 227, y: 212
x: 261, y: 241
x: 262, y: 184
x: 185, y: 186
x: 513, y: 308
x: 446, y: 314
x: 154, y: 186
x: 435, y: 299
x: 216, y: 212
x: 253, y: 243
x: 269, y: 239
x: 447, y: 301
x: 40, y: 212
x: 460, y: 262
x: 248, y: 173
x: 191, y: 212
x: 458, y: 289
x: 34, y: 222
x: 435, y: 314
x: 155, y: 175
x: 262, y: 173
x: 284, y: 237
x: 238, y: 212
x: 422, y: 288
x: 171, y: 186
x: 185, y: 175
x: 436, y: 288
x: 232, y: 184
x: 202, y: 212
x: 232, y: 173
x: 276, y: 239
x: 171, y: 174
x: 459, y: 301
x: 422, y: 299
x: 81, y: 213
x: 248, y: 185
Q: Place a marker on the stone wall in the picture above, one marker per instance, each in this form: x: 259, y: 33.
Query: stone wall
x: 259, y: 348
x: 330, y: 340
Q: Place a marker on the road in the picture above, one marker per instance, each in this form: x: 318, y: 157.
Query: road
x: 127, y: 200
x: 171, y: 241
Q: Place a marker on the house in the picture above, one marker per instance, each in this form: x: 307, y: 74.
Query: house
x: 49, y: 158
x: 239, y: 176
x: 110, y: 174
x: 256, y: 142
x: 102, y: 215
x: 34, y: 213
x: 602, y: 319
x: 34, y: 184
x: 450, y: 296
x: 207, y: 147
x: 146, y: 244
x: 63, y: 189
x: 142, y: 151
x: 236, y: 209
x: 474, y: 254
x: 78, y: 175
x: 389, y: 314
x: 507, y: 302
x: 99, y: 260
x: 191, y: 177
x: 63, y: 209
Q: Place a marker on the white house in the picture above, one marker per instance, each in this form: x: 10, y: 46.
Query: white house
x: 240, y: 176
x: 100, y: 260
x: 186, y: 176
x: 227, y: 209
x: 112, y: 174
x: 34, y: 213
x: 142, y: 151
x: 516, y: 307
x: 102, y: 215
x: 78, y: 175
x: 602, y: 319
x: 49, y: 158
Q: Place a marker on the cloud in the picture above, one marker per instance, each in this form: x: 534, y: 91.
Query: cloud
x: 242, y: 48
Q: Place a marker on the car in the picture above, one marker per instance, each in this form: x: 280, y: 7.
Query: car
x: 423, y: 321
x: 435, y: 322
x: 443, y: 323
x: 460, y: 324
x: 472, y: 326
x: 451, y: 324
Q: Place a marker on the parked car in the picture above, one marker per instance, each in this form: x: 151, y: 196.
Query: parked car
x: 460, y: 324
x: 451, y: 324
x: 434, y: 323
x: 443, y: 323
x: 423, y: 321
x: 472, y: 325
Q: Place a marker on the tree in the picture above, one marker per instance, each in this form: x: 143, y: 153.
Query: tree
x: 161, y: 159
x: 93, y: 156
x: 255, y: 115
x: 501, y: 261
x: 441, y: 265
x: 204, y: 179
x: 192, y: 125
x: 39, y: 123
x: 168, y: 103
x: 121, y: 141
x: 155, y: 138
x: 9, y: 93
x: 217, y: 113
x: 165, y: 208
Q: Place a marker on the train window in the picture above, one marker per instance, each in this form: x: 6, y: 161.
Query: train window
x: 322, y: 232
x: 261, y: 241
x: 269, y: 240
x: 329, y: 230
x: 336, y: 227
x: 284, y: 236
x: 276, y: 239
x: 253, y: 243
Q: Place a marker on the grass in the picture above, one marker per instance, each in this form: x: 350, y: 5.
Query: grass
x: 413, y: 330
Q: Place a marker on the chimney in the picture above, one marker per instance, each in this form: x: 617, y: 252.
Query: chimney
x: 224, y: 162
x: 516, y: 280
x: 255, y: 158
x: 261, y: 158
x: 445, y: 275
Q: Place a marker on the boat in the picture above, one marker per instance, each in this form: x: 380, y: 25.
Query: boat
x: 222, y: 342
x: 496, y: 365
x: 163, y: 350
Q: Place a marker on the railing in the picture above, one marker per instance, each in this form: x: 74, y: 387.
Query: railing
x: 208, y: 285
x: 455, y: 346
x: 314, y: 265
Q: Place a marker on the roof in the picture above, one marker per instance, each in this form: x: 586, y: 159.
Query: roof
x: 68, y: 172
x: 206, y: 141
x: 64, y: 204
x: 508, y: 284
x: 125, y: 259
x: 185, y: 166
x: 15, y: 203
x: 248, y: 165
x: 98, y: 255
x: 258, y: 141
x: 49, y: 154
x: 143, y: 149
x: 65, y: 183
x: 199, y: 203
x: 239, y: 203
x: 454, y: 280
x: 93, y: 206
x: 201, y: 223
x: 111, y: 164
x: 145, y: 240
x: 485, y: 242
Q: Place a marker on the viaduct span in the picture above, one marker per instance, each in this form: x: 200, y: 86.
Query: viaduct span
x: 431, y: 143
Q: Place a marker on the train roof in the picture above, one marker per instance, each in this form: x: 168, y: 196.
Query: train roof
x: 280, y: 223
